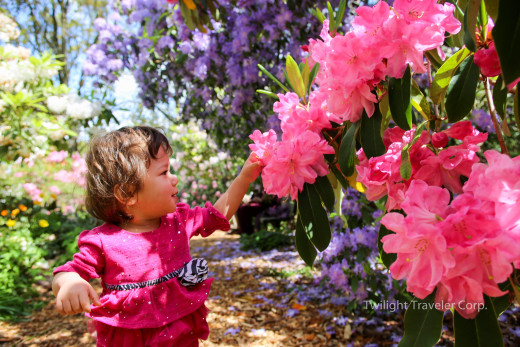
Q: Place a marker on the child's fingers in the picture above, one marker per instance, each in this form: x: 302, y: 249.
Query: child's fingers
x: 94, y: 296
x: 75, y: 304
x: 59, y: 306
x: 66, y: 308
x: 84, y: 301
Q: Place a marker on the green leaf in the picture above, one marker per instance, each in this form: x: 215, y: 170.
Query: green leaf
x: 324, y: 188
x: 470, y: 24
x: 482, y: 331
x: 370, y: 134
x: 500, y: 96
x: 268, y: 93
x: 384, y: 108
x: 387, y: 258
x: 422, y: 323
x: 506, y: 34
x: 419, y: 101
x: 399, y: 92
x: 347, y: 150
x: 306, y: 75
x: 434, y: 58
x: 332, y: 20
x: 268, y: 74
x: 295, y: 77
x: 303, y: 244
x: 443, y: 76
x: 186, y: 15
x: 501, y: 303
x: 341, y: 12
x: 314, y: 218
x: 460, y: 96
x: 492, y: 8
x: 406, y: 165
x: 314, y: 72
x: 341, y: 178
x: 317, y: 12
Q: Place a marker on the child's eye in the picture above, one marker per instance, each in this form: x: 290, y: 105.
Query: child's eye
x: 165, y: 172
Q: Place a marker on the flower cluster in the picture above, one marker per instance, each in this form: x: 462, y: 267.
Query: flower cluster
x: 8, y: 29
x: 298, y: 158
x: 73, y: 106
x: 463, y: 248
x: 431, y: 161
x: 383, y: 42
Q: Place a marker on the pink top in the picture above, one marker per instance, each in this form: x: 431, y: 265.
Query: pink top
x: 119, y: 257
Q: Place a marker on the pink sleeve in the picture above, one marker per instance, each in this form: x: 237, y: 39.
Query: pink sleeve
x: 205, y: 220
x: 89, y: 261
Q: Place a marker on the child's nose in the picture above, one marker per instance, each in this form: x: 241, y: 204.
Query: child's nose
x: 175, y: 180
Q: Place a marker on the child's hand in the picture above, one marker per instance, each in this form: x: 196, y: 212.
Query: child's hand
x: 73, y: 293
x: 251, y: 169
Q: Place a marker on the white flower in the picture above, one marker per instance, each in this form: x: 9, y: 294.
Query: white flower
x: 57, y: 104
x: 8, y: 28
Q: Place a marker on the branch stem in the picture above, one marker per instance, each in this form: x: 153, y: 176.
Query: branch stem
x: 493, y: 114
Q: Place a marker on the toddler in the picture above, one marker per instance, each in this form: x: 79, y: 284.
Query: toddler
x: 153, y: 292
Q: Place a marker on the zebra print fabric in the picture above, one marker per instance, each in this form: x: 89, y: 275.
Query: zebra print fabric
x: 193, y: 272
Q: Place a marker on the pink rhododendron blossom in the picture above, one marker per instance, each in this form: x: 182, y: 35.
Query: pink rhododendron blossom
x: 264, y: 145
x: 296, y: 161
x: 423, y: 257
x: 381, y: 175
x: 487, y: 60
x: 55, y: 190
x: 286, y: 106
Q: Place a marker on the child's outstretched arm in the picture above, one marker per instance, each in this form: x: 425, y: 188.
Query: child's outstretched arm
x: 73, y: 293
x: 229, y: 202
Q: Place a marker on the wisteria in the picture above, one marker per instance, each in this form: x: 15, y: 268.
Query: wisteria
x: 212, y: 76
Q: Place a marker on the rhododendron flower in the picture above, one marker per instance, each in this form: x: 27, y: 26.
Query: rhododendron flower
x: 296, y: 161
x: 487, y: 60
x: 264, y: 145
x: 422, y: 254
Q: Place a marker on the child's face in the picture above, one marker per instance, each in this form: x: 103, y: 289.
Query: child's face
x: 158, y: 195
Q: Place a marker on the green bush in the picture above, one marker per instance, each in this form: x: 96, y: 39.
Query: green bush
x: 268, y: 239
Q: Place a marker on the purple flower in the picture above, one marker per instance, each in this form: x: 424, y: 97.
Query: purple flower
x: 232, y: 331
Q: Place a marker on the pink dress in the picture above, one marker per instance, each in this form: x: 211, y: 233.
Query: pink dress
x: 122, y: 257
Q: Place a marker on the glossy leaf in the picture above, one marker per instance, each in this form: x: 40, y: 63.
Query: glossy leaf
x: 460, y: 96
x: 419, y: 101
x: 341, y: 12
x: 506, y: 34
x: 268, y: 93
x: 306, y: 75
x: 443, y: 76
x: 332, y: 21
x: 347, y: 150
x: 422, y: 323
x: 312, y: 76
x: 501, y: 303
x: 303, y: 245
x: 370, y: 134
x: 268, y: 74
x: 482, y: 331
x: 470, y: 24
x: 387, y: 258
x: 492, y: 8
x: 314, y: 217
x: 326, y: 192
x: 384, y: 108
x: 434, y: 58
x: 500, y: 96
x: 399, y: 94
x: 339, y: 175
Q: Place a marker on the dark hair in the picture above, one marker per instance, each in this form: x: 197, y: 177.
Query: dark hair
x: 119, y: 160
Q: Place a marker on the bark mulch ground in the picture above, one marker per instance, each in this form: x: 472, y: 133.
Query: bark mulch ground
x: 250, y: 306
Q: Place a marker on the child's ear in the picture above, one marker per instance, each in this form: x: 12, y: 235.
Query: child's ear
x: 123, y: 198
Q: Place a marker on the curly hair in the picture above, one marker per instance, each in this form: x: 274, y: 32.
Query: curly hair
x: 118, y: 160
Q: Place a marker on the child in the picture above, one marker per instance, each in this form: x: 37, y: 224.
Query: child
x: 153, y: 295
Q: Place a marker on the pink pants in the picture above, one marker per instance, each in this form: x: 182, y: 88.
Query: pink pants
x: 184, y: 332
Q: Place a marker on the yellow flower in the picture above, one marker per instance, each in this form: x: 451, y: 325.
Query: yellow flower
x: 22, y: 207
x: 15, y: 212
x: 4, y: 213
x: 36, y: 202
x: 43, y: 223
x: 10, y: 223
x: 54, y: 196
x: 355, y: 184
